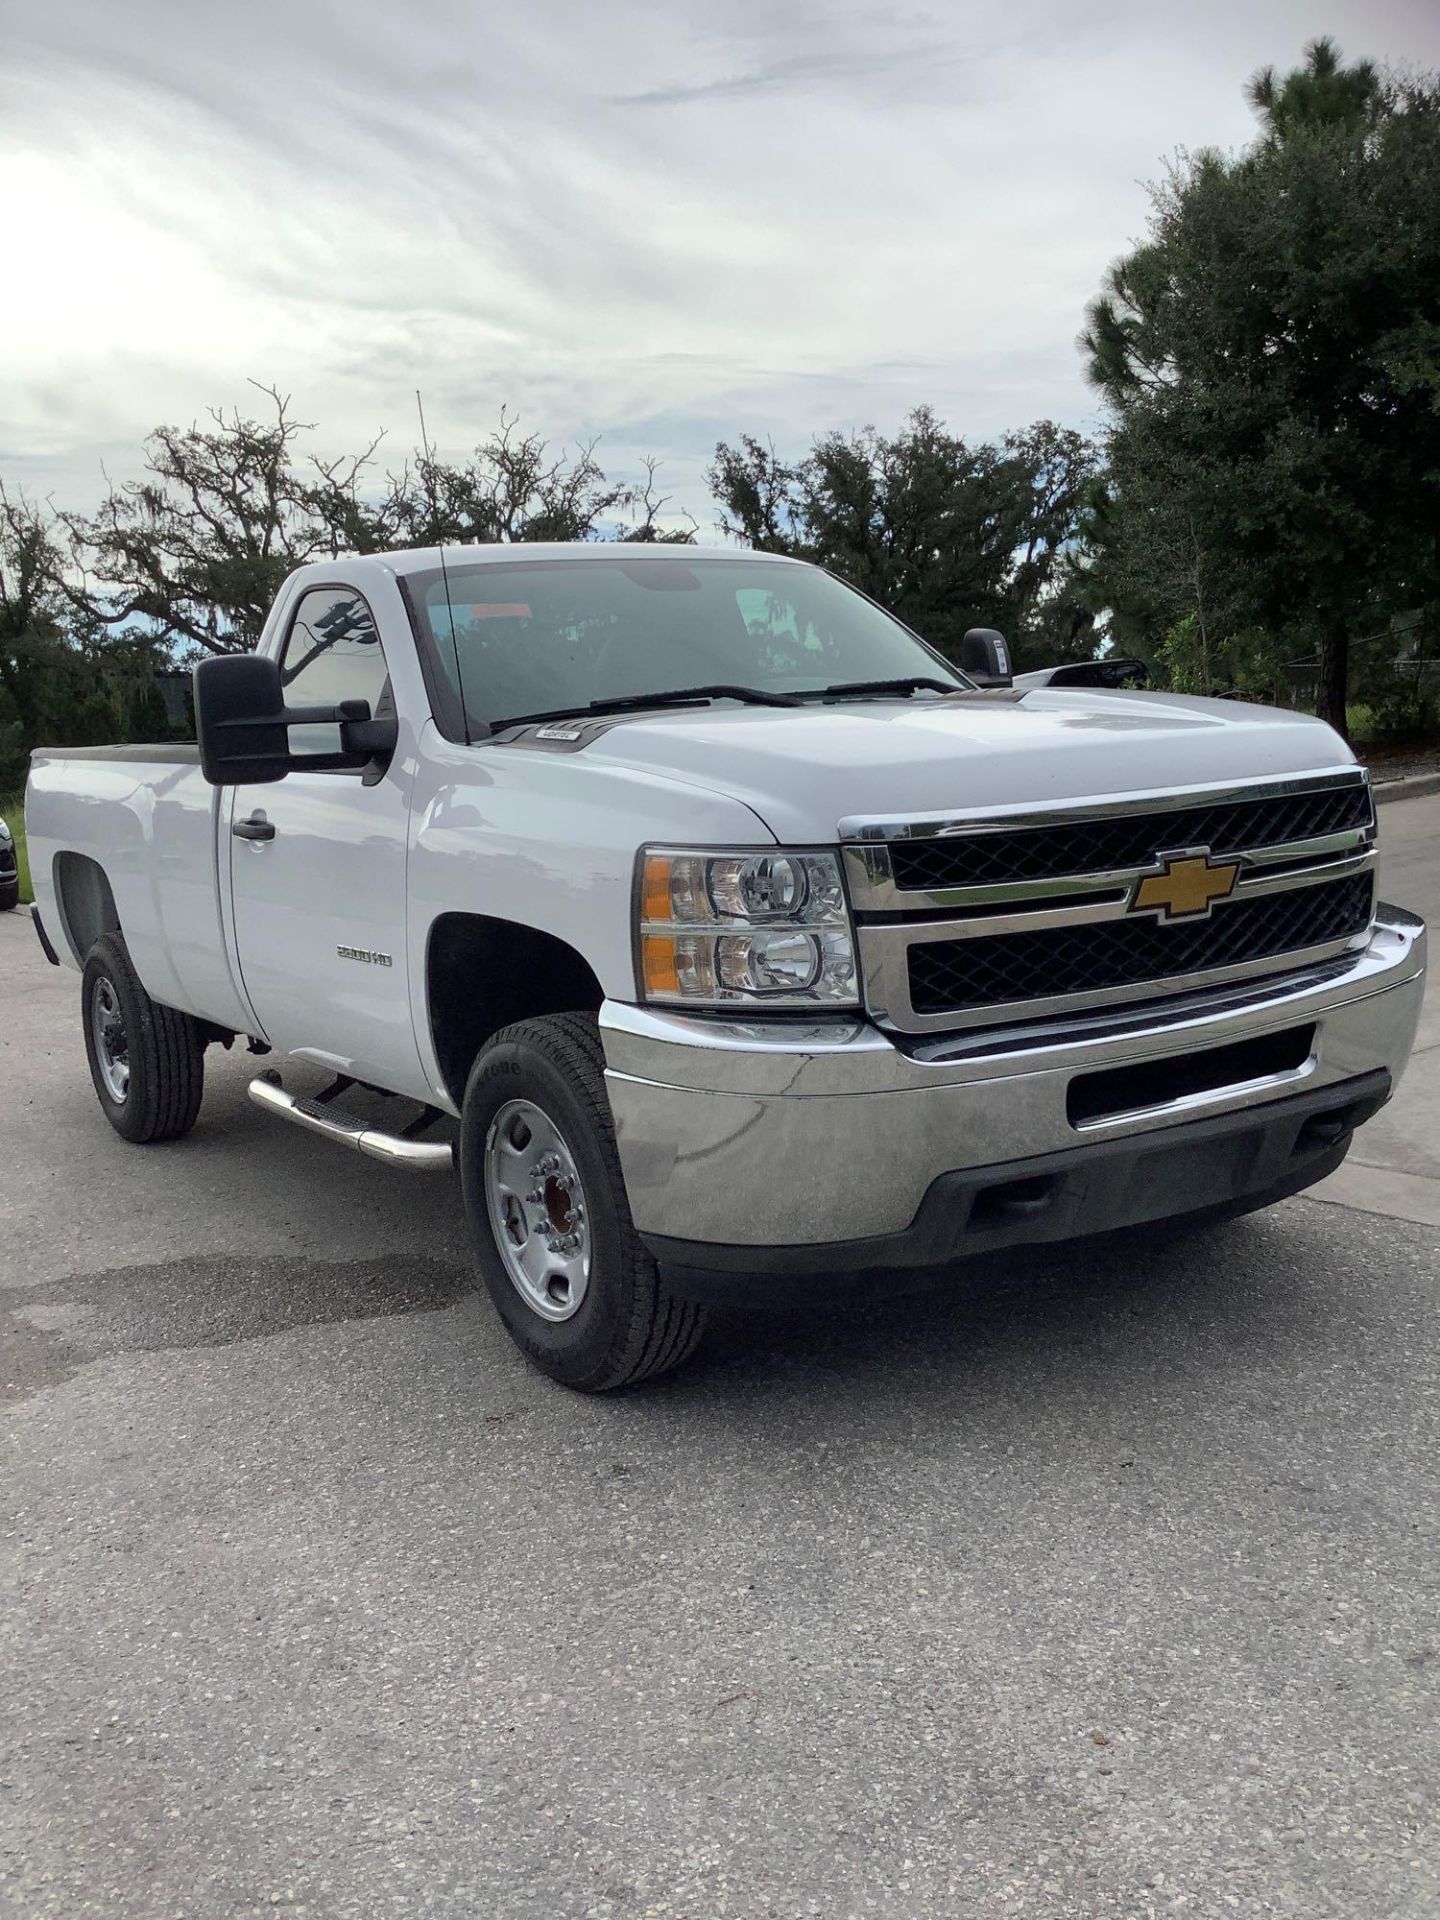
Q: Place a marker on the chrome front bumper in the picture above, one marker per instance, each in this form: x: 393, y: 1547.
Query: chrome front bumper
x: 750, y: 1134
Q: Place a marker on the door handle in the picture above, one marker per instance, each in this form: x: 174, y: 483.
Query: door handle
x: 257, y: 827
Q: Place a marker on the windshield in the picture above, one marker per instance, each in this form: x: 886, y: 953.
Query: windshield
x: 527, y: 638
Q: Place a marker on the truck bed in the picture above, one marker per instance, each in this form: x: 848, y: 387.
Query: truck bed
x: 147, y: 819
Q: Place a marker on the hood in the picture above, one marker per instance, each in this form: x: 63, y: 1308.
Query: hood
x: 803, y: 770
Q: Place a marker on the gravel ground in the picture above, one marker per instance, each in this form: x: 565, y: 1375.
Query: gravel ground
x: 1401, y: 762
x: 1102, y: 1585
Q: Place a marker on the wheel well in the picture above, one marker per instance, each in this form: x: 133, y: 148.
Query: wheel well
x: 482, y: 974
x: 87, y: 906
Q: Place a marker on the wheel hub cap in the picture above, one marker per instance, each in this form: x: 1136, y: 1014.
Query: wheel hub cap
x: 536, y: 1202
x: 112, y: 1047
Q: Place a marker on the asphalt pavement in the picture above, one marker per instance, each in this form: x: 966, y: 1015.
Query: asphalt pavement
x: 1103, y: 1584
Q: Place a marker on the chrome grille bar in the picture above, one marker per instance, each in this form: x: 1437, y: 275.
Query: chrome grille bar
x: 1001, y: 818
x: 891, y: 919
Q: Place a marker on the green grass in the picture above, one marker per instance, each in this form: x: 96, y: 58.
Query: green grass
x: 12, y: 805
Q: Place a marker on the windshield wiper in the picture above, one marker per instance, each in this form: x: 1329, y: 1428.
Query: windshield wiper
x: 629, y: 702
x: 910, y: 684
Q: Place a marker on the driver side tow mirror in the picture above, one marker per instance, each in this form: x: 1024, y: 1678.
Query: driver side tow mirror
x: 243, y: 725
x: 985, y: 657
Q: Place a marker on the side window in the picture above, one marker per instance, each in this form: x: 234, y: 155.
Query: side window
x: 332, y: 653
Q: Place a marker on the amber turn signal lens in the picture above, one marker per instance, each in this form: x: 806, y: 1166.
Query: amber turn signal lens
x: 657, y: 958
x: 655, y: 893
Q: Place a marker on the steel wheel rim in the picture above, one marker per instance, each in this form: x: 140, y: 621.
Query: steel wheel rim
x: 112, y: 1046
x: 538, y: 1216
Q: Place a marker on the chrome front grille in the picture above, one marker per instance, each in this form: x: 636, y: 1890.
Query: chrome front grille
x: 1125, y: 840
x: 970, y: 920
x: 951, y: 976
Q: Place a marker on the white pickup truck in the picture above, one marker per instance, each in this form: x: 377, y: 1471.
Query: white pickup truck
x: 758, y: 951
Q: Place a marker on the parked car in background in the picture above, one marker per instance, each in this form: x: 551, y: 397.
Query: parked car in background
x: 9, y: 870
x: 1088, y: 673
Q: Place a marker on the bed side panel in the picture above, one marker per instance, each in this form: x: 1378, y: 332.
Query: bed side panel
x: 150, y: 824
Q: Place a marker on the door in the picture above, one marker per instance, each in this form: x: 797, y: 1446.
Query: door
x: 317, y: 869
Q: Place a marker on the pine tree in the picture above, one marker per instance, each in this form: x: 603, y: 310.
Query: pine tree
x: 1271, y: 361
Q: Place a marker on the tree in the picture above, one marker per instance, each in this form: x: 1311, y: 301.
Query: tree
x: 923, y: 522
x: 193, y: 555
x: 945, y: 534
x: 1270, y: 357
x: 1321, y: 94
x: 62, y: 682
x: 1054, y: 470
x: 1150, y: 558
x: 31, y: 624
x: 758, y: 496
x: 650, y: 505
x: 512, y: 488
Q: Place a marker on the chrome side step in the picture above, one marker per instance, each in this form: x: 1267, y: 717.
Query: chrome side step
x: 417, y: 1156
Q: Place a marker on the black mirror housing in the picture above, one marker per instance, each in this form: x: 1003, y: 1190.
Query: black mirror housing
x: 243, y: 725
x: 240, y: 720
x: 985, y: 657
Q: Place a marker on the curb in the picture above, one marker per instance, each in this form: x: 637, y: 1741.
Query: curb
x: 1414, y: 787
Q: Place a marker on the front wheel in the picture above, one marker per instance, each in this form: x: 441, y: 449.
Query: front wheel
x: 549, y: 1217
x: 147, y: 1061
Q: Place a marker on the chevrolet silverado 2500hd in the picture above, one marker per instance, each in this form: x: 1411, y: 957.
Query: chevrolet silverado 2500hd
x: 754, y: 946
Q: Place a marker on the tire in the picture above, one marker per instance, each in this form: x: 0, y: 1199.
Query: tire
x: 9, y: 895
x: 619, y: 1323
x: 163, y: 1051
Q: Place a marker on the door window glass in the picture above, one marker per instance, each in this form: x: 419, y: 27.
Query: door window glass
x: 332, y: 653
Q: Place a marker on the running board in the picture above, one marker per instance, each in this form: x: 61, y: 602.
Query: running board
x: 417, y: 1156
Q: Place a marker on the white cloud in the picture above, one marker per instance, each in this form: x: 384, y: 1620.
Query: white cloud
x: 658, y: 223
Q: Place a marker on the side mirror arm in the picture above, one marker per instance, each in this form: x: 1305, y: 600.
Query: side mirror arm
x: 367, y: 738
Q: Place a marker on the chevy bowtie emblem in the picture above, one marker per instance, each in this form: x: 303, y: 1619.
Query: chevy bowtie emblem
x: 1186, y: 886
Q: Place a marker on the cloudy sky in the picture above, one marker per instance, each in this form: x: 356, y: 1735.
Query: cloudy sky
x: 661, y: 224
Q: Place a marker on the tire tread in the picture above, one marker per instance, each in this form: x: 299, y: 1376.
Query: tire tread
x: 664, y: 1329
x: 167, y: 1054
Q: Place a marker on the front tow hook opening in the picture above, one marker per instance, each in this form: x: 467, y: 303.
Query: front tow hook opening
x: 1014, y: 1200
x: 1329, y: 1129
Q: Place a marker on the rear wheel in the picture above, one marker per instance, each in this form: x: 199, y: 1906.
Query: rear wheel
x: 147, y: 1061
x: 554, y: 1240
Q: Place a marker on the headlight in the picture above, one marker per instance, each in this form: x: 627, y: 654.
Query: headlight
x: 764, y: 928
